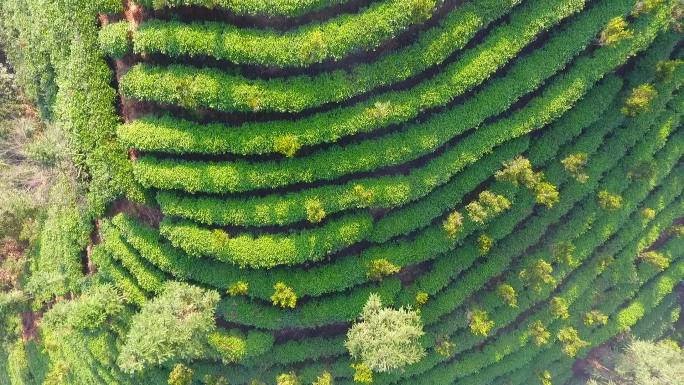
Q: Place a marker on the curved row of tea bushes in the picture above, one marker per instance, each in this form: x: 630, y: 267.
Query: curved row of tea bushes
x: 333, y: 39
x: 268, y: 250
x: 286, y: 8
x: 336, y: 161
x: 391, y: 108
x: 308, y: 283
x: 392, y: 191
x: 222, y: 90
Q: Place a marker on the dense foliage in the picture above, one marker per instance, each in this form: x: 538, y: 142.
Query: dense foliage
x: 389, y: 192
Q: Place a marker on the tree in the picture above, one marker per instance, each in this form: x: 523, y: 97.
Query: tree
x: 484, y: 243
x: 362, y: 373
x: 559, y: 308
x: 642, y: 363
x: 174, y: 326
x: 288, y: 379
x: 660, y: 261
x: 385, y: 339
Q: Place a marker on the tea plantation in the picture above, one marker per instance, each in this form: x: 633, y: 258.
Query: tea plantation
x: 406, y: 192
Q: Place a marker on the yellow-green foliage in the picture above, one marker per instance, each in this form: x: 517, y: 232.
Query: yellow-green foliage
x: 479, y: 322
x: 380, y: 268
x: 559, y: 308
x: 660, y: 261
x: 445, y: 347
x: 563, y: 252
x: 288, y: 379
x: 615, y: 31
x: 284, y: 296
x: 545, y: 378
x: 508, y: 294
x: 314, y: 211
x: 537, y: 274
x: 452, y: 224
x: 362, y: 373
x: 595, y: 318
x: 230, y: 348
x: 572, y: 343
x: 324, y: 379
x: 575, y: 164
x: 287, y: 145
x: 422, y: 298
x: 238, y: 288
x: 487, y: 206
x: 609, y: 201
x: 639, y: 101
x: 180, y: 375
x: 539, y: 332
x: 484, y: 243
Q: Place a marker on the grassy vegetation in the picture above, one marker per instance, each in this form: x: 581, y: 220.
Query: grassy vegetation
x: 390, y: 192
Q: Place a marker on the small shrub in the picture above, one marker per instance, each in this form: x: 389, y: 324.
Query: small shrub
x: 538, y: 274
x: 215, y: 380
x: 288, y: 379
x: 546, y: 194
x: 508, y: 294
x: 518, y: 171
x: 422, y: 298
x: 545, y: 378
x: 238, y: 288
x: 385, y: 339
x: 380, y: 268
x: 287, y: 145
x: 445, y: 348
x: 421, y: 9
x: 180, y: 375
x: 559, y: 308
x: 363, y: 194
x: 639, y: 100
x: 314, y: 210
x: 362, y: 373
x: 571, y: 340
x: 453, y: 224
x: 575, y: 164
x: 660, y: 261
x: 284, y: 296
x: 609, y: 201
x: 484, y: 243
x: 563, y: 252
x: 615, y: 31
x: 648, y: 213
x: 487, y: 205
x: 324, y: 379
x: 479, y: 322
x: 539, y: 333
x: 595, y: 317
x: 677, y: 231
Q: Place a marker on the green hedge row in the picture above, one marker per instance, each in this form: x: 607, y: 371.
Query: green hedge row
x: 457, y: 367
x: 392, y: 191
x: 474, y: 67
x: 254, y: 315
x: 268, y: 250
x: 332, y: 39
x: 119, y: 276
x: 318, y: 280
x: 225, y: 91
x: 289, y: 8
x: 627, y: 315
x: 602, y: 227
x: 369, y: 155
